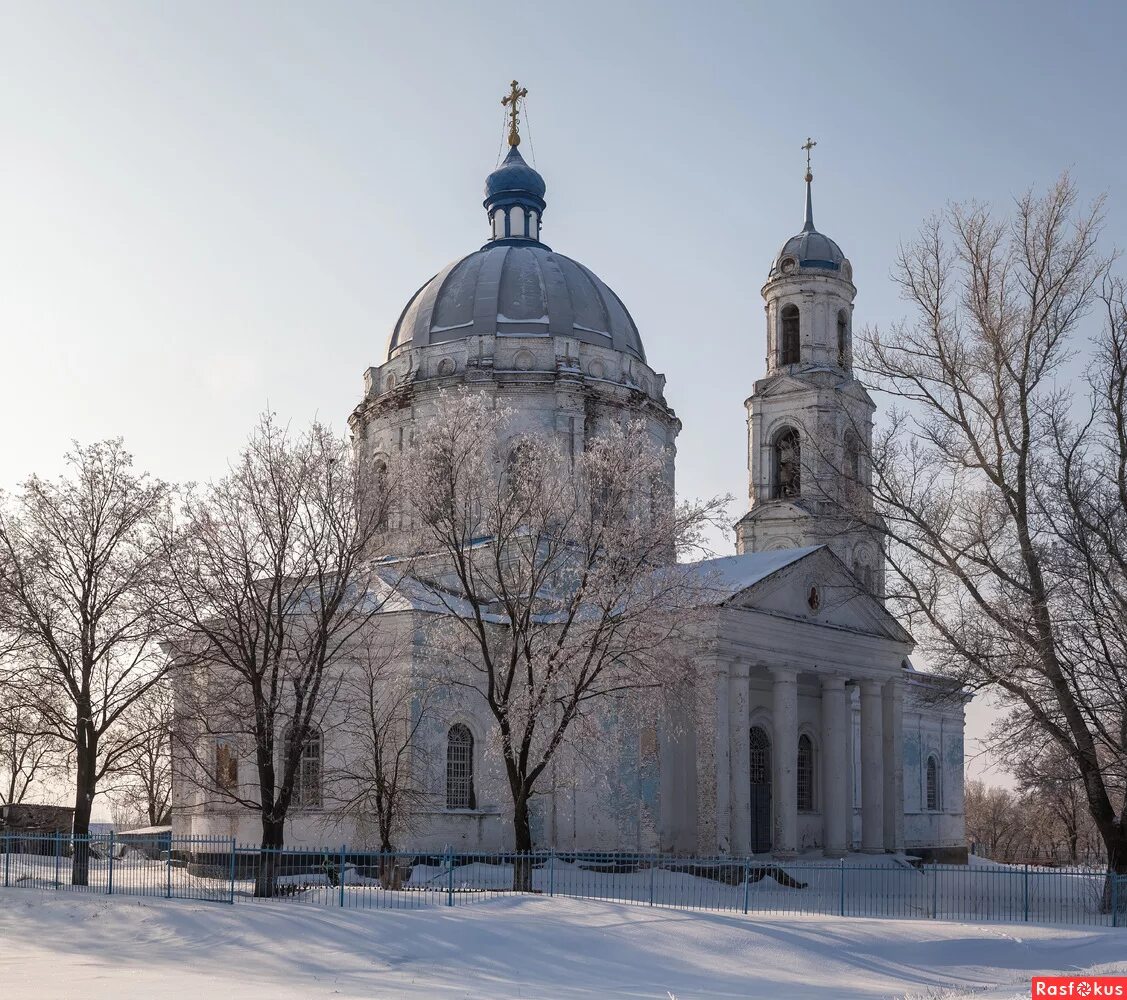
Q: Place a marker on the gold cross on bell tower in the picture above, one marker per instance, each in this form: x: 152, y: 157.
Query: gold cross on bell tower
x: 808, y: 145
x: 517, y: 93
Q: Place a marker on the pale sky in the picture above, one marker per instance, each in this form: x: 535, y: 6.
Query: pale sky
x: 211, y: 208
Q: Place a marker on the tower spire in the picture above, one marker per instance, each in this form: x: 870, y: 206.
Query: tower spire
x: 512, y: 101
x: 808, y: 222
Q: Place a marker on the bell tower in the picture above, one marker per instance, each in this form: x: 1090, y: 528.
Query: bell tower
x: 809, y: 420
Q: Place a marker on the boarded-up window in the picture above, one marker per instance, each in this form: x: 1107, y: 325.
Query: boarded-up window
x: 226, y: 766
x: 805, y: 774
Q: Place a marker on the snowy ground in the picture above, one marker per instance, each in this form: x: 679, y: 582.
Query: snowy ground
x: 64, y: 947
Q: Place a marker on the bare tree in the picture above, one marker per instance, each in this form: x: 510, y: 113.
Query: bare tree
x: 143, y: 785
x: 29, y: 752
x: 82, y: 600
x: 383, y: 770
x: 1049, y: 779
x: 550, y: 570
x: 273, y: 592
x: 969, y: 475
x: 992, y: 818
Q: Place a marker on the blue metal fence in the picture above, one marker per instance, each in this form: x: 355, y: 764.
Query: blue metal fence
x: 222, y: 870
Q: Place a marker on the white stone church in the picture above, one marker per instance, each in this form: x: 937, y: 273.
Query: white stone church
x: 818, y: 736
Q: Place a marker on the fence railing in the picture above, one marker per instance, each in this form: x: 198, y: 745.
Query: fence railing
x: 222, y: 870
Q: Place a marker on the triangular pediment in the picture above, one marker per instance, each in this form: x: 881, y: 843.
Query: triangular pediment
x: 816, y: 587
x: 783, y: 384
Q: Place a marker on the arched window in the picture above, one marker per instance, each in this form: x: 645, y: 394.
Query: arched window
x: 788, y: 463
x: 933, y: 799
x: 842, y: 338
x: 760, y: 759
x: 307, y: 778
x: 788, y: 352
x: 805, y: 774
x: 459, y: 768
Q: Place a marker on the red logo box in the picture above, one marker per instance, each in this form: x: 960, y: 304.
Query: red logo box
x: 1084, y: 987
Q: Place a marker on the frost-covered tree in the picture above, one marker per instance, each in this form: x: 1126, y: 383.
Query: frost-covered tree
x: 557, y: 578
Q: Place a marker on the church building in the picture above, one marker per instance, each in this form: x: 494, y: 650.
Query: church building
x: 814, y: 733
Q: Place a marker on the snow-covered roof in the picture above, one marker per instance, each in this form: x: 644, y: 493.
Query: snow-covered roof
x: 726, y: 576
x: 145, y: 831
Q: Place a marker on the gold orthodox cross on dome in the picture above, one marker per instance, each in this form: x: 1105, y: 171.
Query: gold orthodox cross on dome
x: 809, y: 145
x: 517, y: 93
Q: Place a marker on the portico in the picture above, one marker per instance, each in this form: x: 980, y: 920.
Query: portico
x: 808, y: 671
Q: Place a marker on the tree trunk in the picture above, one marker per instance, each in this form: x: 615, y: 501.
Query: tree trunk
x: 273, y: 837
x: 86, y: 753
x: 522, y: 843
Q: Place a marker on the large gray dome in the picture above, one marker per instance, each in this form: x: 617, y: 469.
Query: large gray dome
x: 516, y: 290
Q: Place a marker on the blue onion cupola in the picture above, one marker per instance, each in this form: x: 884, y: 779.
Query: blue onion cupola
x: 514, y: 192
x: 810, y: 250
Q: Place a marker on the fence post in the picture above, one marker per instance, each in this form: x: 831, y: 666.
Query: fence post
x: 552, y: 872
x: 58, y: 855
x: 7, y: 855
x: 168, y: 873
x: 841, y: 888
x: 1114, y: 898
x: 233, y: 853
x: 449, y: 877
x: 1025, y: 892
x: 340, y: 877
x: 935, y: 890
x: 109, y: 889
x: 653, y: 871
x: 747, y: 883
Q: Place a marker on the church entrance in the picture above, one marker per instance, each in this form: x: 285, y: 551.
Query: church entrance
x: 760, y: 775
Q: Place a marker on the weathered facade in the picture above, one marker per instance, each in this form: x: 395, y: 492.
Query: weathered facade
x: 808, y: 728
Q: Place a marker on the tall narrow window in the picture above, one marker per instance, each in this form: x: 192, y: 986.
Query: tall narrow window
x: 760, y: 756
x: 459, y: 768
x: 932, y: 784
x: 851, y: 479
x: 842, y: 338
x: 864, y: 573
x: 307, y: 778
x: 805, y: 775
x: 381, y: 494
x: 226, y: 765
x: 789, y: 349
x: 788, y: 465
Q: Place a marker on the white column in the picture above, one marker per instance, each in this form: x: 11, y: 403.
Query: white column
x: 835, y: 752
x: 723, y: 762
x: 784, y: 761
x: 892, y: 710
x: 872, y: 771
x: 739, y: 720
